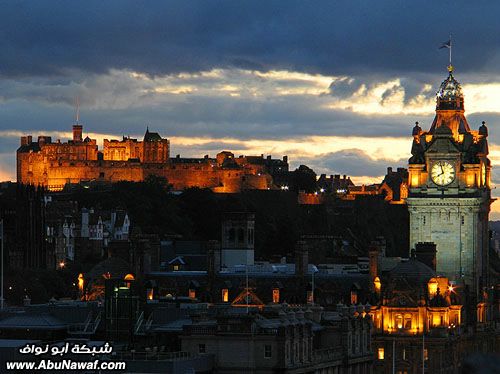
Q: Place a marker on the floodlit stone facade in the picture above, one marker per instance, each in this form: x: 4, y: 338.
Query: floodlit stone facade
x: 55, y: 164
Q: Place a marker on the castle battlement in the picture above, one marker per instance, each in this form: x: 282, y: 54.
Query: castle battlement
x: 55, y: 164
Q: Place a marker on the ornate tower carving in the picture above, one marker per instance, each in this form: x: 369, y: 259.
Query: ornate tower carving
x: 449, y: 189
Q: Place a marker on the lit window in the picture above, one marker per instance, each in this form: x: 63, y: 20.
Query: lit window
x: 399, y: 321
x: 176, y: 267
x: 354, y: 297
x: 404, y: 354
x: 380, y: 353
x: 267, y: 351
x: 426, y: 354
x: 276, y: 295
x: 225, y: 295
x: 192, y: 294
x: 432, y: 286
x: 150, y: 294
x: 202, y: 348
x: 377, y: 284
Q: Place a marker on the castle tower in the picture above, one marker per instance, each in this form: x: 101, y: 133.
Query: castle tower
x: 237, y: 239
x: 77, y: 133
x: 449, y: 189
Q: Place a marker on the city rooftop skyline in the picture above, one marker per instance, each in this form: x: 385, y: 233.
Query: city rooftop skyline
x: 336, y: 86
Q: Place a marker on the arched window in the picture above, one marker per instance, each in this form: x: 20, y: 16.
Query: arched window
x: 399, y: 321
x: 408, y: 321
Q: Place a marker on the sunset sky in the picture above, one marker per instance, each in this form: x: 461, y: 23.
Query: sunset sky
x: 335, y: 85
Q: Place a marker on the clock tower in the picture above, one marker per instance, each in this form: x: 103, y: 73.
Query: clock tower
x: 449, y: 189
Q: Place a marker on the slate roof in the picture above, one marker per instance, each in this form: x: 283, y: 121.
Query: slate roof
x: 32, y: 322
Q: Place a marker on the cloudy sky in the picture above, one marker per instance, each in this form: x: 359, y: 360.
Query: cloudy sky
x: 336, y: 85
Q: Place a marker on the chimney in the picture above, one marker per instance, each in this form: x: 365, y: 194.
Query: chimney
x: 389, y: 170
x: 285, y: 159
x: 373, y: 254
x: 24, y: 140
x: 301, y: 258
x: 77, y: 133
x: 425, y: 252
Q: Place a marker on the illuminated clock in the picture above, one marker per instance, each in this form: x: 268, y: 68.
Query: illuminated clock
x: 483, y: 174
x: 442, y: 173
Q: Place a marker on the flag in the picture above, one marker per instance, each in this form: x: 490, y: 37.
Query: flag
x: 446, y: 44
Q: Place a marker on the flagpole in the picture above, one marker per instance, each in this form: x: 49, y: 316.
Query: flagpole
x: 450, y: 48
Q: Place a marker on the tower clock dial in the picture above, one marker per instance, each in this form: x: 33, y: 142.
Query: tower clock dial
x: 442, y: 173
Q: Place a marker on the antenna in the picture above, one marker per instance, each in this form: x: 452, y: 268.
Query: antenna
x: 77, y: 113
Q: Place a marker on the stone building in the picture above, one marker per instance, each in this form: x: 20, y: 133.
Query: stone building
x: 81, y: 235
x: 282, y: 339
x: 449, y: 189
x: 422, y: 322
x: 55, y: 164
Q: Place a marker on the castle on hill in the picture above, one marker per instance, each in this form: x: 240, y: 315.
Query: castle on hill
x: 55, y: 164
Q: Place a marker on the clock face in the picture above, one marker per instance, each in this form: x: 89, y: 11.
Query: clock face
x: 442, y: 173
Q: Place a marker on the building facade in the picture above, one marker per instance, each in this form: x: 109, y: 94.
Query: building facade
x: 449, y: 189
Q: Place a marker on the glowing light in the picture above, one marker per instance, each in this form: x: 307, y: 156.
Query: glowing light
x: 381, y: 353
x: 62, y: 264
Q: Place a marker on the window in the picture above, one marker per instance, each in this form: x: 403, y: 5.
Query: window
x: 463, y: 220
x: 225, y: 295
x: 202, y: 348
x: 380, y: 353
x: 241, y: 236
x: 404, y: 354
x: 232, y: 235
x: 250, y: 236
x: 176, y: 267
x: 354, y: 297
x: 267, y: 351
x: 426, y: 354
x: 408, y: 321
x: 399, y: 321
x: 276, y: 295
x: 192, y: 294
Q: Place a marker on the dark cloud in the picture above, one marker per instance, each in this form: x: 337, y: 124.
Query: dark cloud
x: 53, y: 37
x: 354, y: 162
x: 216, y: 117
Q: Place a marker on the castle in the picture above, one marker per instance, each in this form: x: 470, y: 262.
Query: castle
x: 55, y: 164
